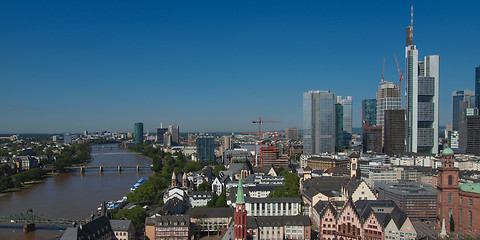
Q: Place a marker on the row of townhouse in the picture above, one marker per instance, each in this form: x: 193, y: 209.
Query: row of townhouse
x: 364, y: 219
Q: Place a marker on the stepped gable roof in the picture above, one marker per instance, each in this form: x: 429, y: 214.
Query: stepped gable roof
x: 350, y: 203
x: 366, y: 207
x: 321, y: 207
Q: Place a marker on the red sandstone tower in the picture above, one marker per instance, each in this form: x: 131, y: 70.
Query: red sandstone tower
x: 447, y: 190
x: 240, y: 215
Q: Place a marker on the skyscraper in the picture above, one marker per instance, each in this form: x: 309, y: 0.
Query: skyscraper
x: 388, y: 98
x: 175, y: 133
x: 139, y: 133
x: 347, y: 113
x: 338, y: 127
x: 422, y: 86
x: 291, y: 133
x: 394, y: 132
x: 205, y: 148
x: 477, y: 87
x: 369, y: 111
x: 160, y: 132
x: 457, y: 97
x: 318, y: 122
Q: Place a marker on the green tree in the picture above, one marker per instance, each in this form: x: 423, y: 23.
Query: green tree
x: 137, y: 215
x: 290, y: 186
x: 218, y: 168
x: 213, y: 202
x: 192, y: 167
x: 205, y: 187
x: 5, y: 182
x: 222, y: 200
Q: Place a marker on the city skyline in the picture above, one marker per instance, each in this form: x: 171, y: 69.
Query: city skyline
x: 70, y: 67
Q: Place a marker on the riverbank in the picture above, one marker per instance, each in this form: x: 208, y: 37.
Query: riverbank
x: 26, y: 185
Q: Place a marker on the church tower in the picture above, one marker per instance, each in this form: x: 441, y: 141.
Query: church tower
x: 184, y: 180
x: 447, y: 190
x: 174, y: 179
x: 354, y: 157
x: 240, y: 215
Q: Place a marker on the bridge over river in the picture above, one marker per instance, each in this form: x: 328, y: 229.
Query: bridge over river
x: 30, y: 217
x: 103, y: 167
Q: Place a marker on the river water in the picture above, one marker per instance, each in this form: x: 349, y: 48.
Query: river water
x: 74, y: 195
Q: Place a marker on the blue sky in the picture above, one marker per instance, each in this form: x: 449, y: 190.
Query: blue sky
x: 69, y: 66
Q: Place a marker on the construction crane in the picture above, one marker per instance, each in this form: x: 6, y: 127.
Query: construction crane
x: 260, y: 122
x: 365, y: 124
x: 401, y: 76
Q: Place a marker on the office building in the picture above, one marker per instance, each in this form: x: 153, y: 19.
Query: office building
x: 205, y: 148
x: 160, y: 134
x: 138, y: 133
x: 372, y: 139
x: 422, y: 78
x: 67, y: 138
x: 318, y: 122
x: 339, y: 145
x: 347, y: 113
x: 457, y: 98
x: 473, y: 135
x: 270, y: 155
x: 394, y: 132
x: 226, y: 142
x: 175, y: 134
x: 477, y: 87
x: 417, y: 200
x: 291, y: 133
x: 388, y: 98
x: 369, y: 111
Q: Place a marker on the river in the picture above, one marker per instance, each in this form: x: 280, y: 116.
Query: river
x: 74, y: 195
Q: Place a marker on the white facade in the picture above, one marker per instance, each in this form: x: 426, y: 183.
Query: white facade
x: 270, y: 208
x: 422, y: 101
x: 388, y: 98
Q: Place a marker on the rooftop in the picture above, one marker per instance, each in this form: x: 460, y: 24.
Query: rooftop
x: 470, y: 187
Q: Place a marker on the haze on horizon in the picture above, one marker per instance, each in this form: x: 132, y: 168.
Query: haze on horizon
x: 75, y: 66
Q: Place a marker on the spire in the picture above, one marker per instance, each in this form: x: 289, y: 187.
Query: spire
x: 411, y: 16
x: 410, y: 29
x: 240, y: 198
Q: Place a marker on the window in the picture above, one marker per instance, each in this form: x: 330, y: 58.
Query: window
x: 470, y: 218
x: 461, y: 201
x: 450, y: 179
x: 470, y: 202
x: 450, y: 198
x: 460, y: 216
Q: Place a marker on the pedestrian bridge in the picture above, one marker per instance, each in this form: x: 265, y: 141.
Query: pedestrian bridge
x: 103, y: 167
x: 31, y: 217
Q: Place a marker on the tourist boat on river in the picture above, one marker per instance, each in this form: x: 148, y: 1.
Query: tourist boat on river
x: 138, y: 184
